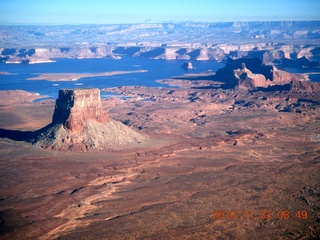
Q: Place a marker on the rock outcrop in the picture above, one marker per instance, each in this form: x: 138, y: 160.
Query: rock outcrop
x: 251, y: 73
x: 79, y: 123
x: 249, y: 80
x: 187, y: 65
x: 74, y: 107
x: 305, y: 86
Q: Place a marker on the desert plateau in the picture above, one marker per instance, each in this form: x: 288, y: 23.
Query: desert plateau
x: 182, y: 130
x: 253, y: 156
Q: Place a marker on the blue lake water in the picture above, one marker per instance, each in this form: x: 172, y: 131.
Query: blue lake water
x: 314, y: 73
x: 156, y: 69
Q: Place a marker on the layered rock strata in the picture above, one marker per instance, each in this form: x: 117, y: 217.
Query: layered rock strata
x: 75, y: 106
x: 79, y: 123
x: 251, y: 73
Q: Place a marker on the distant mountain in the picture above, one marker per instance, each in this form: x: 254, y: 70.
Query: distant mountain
x: 272, y: 42
x: 157, y: 34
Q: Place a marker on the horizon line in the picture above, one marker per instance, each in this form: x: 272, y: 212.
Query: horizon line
x: 155, y: 22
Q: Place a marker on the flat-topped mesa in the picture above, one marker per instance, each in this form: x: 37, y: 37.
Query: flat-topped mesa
x: 80, y: 124
x: 74, y: 107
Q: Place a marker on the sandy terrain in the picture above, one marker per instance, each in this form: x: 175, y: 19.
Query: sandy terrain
x: 76, y: 76
x: 17, y: 96
x: 253, y: 155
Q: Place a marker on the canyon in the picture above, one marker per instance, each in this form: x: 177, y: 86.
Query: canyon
x: 204, y: 150
x: 270, y: 41
x: 276, y: 53
x: 231, y: 154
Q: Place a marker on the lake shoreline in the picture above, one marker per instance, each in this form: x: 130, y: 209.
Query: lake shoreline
x: 55, y: 77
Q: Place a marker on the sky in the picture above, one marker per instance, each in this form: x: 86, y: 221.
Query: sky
x: 154, y: 11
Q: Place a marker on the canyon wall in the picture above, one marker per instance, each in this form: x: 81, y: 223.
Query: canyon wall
x: 288, y: 55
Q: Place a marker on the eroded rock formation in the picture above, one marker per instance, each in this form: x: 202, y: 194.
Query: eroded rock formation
x: 187, y: 65
x: 305, y: 86
x: 251, y: 73
x: 79, y: 123
x: 75, y: 107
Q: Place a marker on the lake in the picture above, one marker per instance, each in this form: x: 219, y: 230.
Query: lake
x: 156, y: 69
x: 314, y: 73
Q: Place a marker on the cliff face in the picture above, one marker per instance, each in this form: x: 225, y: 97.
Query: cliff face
x: 275, y: 54
x: 249, y: 80
x: 243, y: 70
x: 75, y: 106
x: 271, y: 41
x: 251, y: 73
x: 79, y: 123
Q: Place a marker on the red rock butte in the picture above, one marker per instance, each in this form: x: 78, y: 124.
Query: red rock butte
x: 79, y: 123
x: 75, y: 106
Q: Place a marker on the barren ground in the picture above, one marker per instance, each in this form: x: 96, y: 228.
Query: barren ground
x: 208, y: 151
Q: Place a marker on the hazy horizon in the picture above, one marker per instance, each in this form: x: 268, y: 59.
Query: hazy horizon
x: 59, y: 12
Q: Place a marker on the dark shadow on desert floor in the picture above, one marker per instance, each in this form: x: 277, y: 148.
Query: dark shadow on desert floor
x: 15, y: 135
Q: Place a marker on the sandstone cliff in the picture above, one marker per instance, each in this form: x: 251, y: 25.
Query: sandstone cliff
x: 75, y: 106
x: 251, y: 73
x: 286, y: 55
x: 79, y: 123
x: 249, y: 80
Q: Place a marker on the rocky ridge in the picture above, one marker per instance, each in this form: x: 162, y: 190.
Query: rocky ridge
x: 162, y: 33
x: 286, y: 55
x: 251, y: 73
x: 272, y: 42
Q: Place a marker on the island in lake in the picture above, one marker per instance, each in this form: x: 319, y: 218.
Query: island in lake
x: 76, y: 76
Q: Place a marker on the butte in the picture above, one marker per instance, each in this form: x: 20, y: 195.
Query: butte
x: 79, y: 123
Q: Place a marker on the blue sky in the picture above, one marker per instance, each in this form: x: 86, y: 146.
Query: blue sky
x: 139, y: 11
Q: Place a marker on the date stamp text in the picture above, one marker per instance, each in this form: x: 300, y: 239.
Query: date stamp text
x: 265, y: 214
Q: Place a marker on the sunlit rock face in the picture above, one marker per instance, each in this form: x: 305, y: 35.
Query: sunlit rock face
x: 75, y: 106
x: 80, y: 124
x: 251, y: 73
x: 187, y: 65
